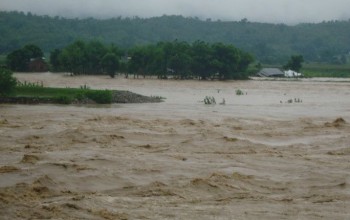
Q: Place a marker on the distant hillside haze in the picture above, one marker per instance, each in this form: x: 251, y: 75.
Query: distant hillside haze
x: 327, y: 42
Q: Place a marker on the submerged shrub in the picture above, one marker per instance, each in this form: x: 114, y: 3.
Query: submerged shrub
x: 239, y: 92
x: 209, y: 100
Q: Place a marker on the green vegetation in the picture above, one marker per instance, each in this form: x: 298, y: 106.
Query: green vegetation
x: 64, y: 95
x: 13, y: 91
x: 187, y: 61
x: 19, y: 59
x: 295, y: 63
x: 110, y: 62
x: 99, y: 96
x: 82, y: 57
x: 209, y: 100
x: 191, y: 53
x: 176, y: 59
x: 326, y: 42
x: 7, y: 82
x: 239, y: 92
x: 326, y: 70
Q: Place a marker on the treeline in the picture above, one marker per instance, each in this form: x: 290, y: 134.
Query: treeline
x: 176, y: 59
x: 86, y: 58
x: 78, y: 58
x: 182, y: 60
x: 270, y: 43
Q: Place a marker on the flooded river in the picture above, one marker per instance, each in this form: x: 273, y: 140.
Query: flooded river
x: 257, y: 156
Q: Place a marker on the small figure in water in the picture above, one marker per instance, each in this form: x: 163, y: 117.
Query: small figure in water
x: 223, y: 102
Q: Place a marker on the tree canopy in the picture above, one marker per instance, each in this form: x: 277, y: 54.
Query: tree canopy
x: 183, y: 60
x: 19, y: 59
x: 178, y: 59
x: 295, y: 63
x: 82, y: 57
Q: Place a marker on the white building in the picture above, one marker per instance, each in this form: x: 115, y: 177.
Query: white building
x: 291, y: 73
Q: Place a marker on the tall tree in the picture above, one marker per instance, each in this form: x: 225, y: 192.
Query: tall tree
x: 226, y: 61
x: 201, y: 59
x: 74, y: 58
x: 54, y: 60
x: 180, y: 60
x: 18, y: 60
x: 33, y: 51
x: 94, y: 53
x: 295, y: 63
x: 110, y: 64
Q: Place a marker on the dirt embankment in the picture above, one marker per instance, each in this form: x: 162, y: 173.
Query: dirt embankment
x: 130, y: 97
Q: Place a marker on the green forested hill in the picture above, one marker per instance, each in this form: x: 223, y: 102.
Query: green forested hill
x: 270, y: 43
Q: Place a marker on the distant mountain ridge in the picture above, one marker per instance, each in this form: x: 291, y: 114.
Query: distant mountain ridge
x: 269, y: 43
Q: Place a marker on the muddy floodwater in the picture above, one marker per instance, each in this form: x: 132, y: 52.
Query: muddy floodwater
x: 279, y: 151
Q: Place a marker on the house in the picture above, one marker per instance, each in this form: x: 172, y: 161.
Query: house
x: 37, y: 65
x: 291, y: 73
x: 270, y: 72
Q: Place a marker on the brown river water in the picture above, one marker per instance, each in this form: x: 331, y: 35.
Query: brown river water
x: 256, y: 157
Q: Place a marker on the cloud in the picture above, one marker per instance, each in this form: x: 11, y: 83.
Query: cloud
x: 276, y: 11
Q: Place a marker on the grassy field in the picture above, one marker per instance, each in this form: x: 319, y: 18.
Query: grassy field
x: 65, y: 95
x: 326, y: 70
x: 321, y: 70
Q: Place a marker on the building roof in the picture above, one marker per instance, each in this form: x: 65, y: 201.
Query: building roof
x: 270, y: 72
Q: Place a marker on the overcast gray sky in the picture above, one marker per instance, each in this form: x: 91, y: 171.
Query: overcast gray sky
x: 273, y: 11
